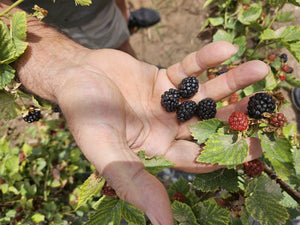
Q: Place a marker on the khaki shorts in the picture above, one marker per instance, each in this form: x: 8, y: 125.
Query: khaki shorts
x: 107, y: 30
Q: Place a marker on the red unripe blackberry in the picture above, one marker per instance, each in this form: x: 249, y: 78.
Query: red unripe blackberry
x: 238, y: 121
x: 282, y: 77
x: 272, y: 57
x: 108, y: 191
x: 277, y: 119
x: 188, y: 87
x: 170, y: 100
x: 259, y: 104
x: 207, y: 109
x: 211, y: 76
x: 234, y: 98
x: 186, y: 110
x: 179, y: 197
x: 253, y: 168
x: 285, y: 67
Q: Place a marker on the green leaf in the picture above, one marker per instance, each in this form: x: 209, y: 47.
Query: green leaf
x: 90, y: 187
x: 37, y: 218
x: 294, y: 2
x: 207, y: 3
x: 285, y: 17
x: 286, y: 34
x: 241, y: 42
x: 181, y: 185
x: 263, y: 201
x: 223, y: 150
x: 210, y: 213
x: 83, y: 2
x: 292, y: 80
x: 154, y: 164
x: 222, y: 35
x: 252, y: 14
x: 7, y: 48
x: 294, y: 49
x: 20, y: 48
x: 296, y: 156
x: 183, y: 213
x: 288, y: 201
x: 222, y: 178
x: 132, y: 214
x: 7, y: 73
x: 202, y: 130
x: 12, y: 164
x: 19, y: 26
x: 109, y: 212
x: 216, y: 21
x: 278, y: 151
x: 256, y: 87
x: 271, y: 82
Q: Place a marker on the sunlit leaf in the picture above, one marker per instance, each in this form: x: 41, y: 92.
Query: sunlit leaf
x: 132, y: 214
x: 250, y: 15
x: 183, y: 213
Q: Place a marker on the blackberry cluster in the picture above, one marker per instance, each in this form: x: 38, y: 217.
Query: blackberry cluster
x: 259, y: 104
x: 207, y: 109
x: 186, y: 110
x: 170, y: 100
x: 32, y: 116
x: 188, y: 87
x: 238, y: 121
x: 253, y: 168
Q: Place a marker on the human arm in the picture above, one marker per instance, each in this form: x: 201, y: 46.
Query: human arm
x: 112, y: 104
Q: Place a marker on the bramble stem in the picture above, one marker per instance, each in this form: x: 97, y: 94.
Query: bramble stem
x: 11, y: 7
x: 288, y: 189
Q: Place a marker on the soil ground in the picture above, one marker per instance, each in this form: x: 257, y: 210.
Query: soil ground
x: 176, y: 36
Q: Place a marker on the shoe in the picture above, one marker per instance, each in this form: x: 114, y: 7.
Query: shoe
x: 295, y: 96
x: 142, y: 18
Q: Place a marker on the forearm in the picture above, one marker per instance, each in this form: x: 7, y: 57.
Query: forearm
x: 49, y: 53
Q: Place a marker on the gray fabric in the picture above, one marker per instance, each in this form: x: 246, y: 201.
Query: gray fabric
x: 64, y: 13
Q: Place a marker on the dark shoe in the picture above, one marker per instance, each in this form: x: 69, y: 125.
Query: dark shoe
x: 142, y: 18
x: 295, y: 95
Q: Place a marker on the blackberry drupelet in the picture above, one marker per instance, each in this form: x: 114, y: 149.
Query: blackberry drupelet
x: 284, y: 57
x: 207, y: 109
x: 186, y: 110
x: 188, y: 87
x: 32, y: 116
x: 170, y: 100
x: 259, y: 104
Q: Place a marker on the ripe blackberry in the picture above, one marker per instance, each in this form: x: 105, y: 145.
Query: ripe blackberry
x: 207, y: 109
x: 188, y: 87
x: 221, y: 71
x: 277, y: 119
x: 253, y: 168
x: 284, y: 57
x: 238, y: 121
x: 179, y: 197
x: 32, y: 116
x: 291, y: 70
x: 108, y: 191
x: 186, y: 110
x: 170, y: 100
x: 259, y: 104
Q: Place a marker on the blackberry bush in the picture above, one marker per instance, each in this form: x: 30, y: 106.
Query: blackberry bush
x: 207, y: 109
x: 188, y: 87
x: 170, y: 100
x: 186, y: 110
x: 259, y: 104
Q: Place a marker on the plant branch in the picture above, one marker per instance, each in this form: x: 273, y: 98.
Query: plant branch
x: 11, y: 7
x: 288, y: 189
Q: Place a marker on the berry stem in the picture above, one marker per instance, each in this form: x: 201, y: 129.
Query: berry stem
x: 3, y: 14
x: 288, y: 189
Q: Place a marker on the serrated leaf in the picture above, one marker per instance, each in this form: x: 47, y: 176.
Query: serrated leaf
x: 222, y: 149
x: 270, y: 82
x: 250, y: 15
x: 222, y: 35
x: 202, y: 130
x: 154, y: 164
x: 294, y: 49
x: 216, y: 21
x: 20, y: 47
x: 278, y: 151
x: 183, y: 214
x: 263, y: 201
x: 223, y: 178
x: 292, y: 80
x: 132, y: 214
x: 296, y: 156
x: 289, y: 130
x: 241, y: 42
x: 285, y: 17
x: 7, y: 48
x: 109, y: 212
x: 7, y: 73
x: 19, y: 26
x: 83, y: 2
x: 181, y: 185
x: 286, y: 34
x: 9, y: 109
x: 210, y: 213
x: 89, y: 188
x: 288, y: 201
x: 256, y: 87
